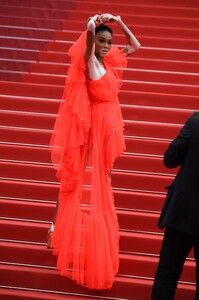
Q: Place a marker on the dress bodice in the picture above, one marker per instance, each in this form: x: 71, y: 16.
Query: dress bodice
x: 103, y: 89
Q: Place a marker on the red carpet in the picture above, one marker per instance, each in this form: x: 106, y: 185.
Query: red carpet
x: 161, y: 89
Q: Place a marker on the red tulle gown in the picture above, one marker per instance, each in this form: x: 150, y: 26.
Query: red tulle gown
x: 87, y: 137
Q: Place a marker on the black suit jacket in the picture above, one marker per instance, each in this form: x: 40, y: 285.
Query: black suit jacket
x: 181, y: 207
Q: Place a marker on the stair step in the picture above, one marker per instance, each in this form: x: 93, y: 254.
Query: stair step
x: 122, y: 8
x: 161, y: 99
x: 35, y: 12
x: 129, y: 112
x: 130, y: 265
x: 50, y: 60
x: 27, y: 32
x: 45, y: 173
x: 12, y: 135
x: 160, y: 87
x: 45, y: 122
x: 34, y: 232
x: 50, y: 280
x: 27, y: 119
x: 147, y: 41
x: 127, y: 162
x: 140, y: 288
x: 28, y: 43
x: 129, y: 74
x: 46, y: 193
x: 25, y: 21
x: 30, y: 294
x: 141, y: 30
x: 56, y: 4
x: 145, y: 18
x: 33, y: 90
x: 144, y: 243
x: 140, y: 94
x: 38, y: 155
x: 25, y: 136
x: 147, y: 85
x: 35, y: 211
x: 29, y: 104
x: 172, y: 54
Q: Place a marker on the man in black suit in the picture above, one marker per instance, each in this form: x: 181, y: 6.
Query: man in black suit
x: 180, y: 213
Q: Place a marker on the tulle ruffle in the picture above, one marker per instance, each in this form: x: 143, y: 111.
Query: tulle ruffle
x: 73, y: 122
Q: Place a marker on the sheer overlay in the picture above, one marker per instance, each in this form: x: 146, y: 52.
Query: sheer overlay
x: 87, y: 137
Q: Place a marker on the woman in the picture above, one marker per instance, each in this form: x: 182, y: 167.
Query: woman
x: 87, y: 137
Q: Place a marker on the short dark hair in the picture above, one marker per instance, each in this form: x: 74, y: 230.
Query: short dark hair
x: 103, y: 27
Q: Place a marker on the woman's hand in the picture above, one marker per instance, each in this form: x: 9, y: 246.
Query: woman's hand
x: 104, y: 18
x: 95, y: 18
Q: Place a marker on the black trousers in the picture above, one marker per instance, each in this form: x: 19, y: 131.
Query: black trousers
x: 176, y: 246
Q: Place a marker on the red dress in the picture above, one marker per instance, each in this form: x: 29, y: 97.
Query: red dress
x: 87, y: 137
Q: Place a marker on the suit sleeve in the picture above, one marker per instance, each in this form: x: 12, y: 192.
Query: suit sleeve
x: 176, y: 151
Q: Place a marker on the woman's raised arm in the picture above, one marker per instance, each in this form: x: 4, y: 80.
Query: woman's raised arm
x: 90, y: 41
x: 133, y: 43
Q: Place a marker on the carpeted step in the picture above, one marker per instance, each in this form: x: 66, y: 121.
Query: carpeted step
x: 37, y: 256
x: 189, y: 3
x: 144, y: 18
x: 25, y: 136
x: 129, y: 74
x: 13, y: 53
x: 25, y: 21
x: 190, y: 88
x: 32, y: 211
x: 144, y: 52
x: 127, y: 162
x: 36, y: 232
x: 27, y: 43
x: 143, y: 99
x: 59, y: 4
x: 161, y: 99
x: 11, y: 293
x: 164, y: 65
x: 49, y: 109
x: 140, y: 30
x: 27, y: 120
x: 25, y: 153
x: 41, y: 155
x: 120, y: 179
x: 152, y: 129
x: 48, y: 193
x: 33, y: 90
x: 147, y: 41
x: 27, y: 32
x: 43, y: 279
x: 15, y: 64
x: 160, y: 87
x: 146, y: 94
x: 131, y: 265
x: 33, y: 232
x: 37, y: 11
x: 30, y: 104
x: 61, y: 58
x: 137, y: 60
x: 138, y: 287
x: 51, y: 280
x: 46, y: 122
x: 120, y: 8
x: 162, y: 76
x: 31, y: 137
x: 167, y: 53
